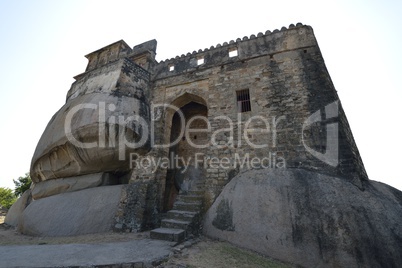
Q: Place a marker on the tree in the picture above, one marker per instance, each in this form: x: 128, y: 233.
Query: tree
x: 7, y: 197
x: 22, y: 184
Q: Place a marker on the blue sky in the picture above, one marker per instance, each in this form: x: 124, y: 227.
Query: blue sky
x: 43, y: 44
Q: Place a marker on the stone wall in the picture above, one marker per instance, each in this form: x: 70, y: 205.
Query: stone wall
x: 137, y: 210
x: 288, y: 82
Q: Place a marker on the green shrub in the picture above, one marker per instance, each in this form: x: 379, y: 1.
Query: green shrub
x: 7, y: 197
x: 22, y: 184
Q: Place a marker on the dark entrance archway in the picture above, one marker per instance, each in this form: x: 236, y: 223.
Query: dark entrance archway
x: 188, y: 152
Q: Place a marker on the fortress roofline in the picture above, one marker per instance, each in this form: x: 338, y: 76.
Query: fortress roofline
x: 120, y: 42
x: 237, y: 40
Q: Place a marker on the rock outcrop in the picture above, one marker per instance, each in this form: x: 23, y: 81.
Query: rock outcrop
x: 87, y: 145
x: 56, y: 186
x: 74, y: 213
x: 14, y: 213
x: 106, y: 112
x: 310, y: 219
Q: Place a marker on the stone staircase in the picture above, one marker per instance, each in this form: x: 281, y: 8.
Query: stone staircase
x: 184, y: 219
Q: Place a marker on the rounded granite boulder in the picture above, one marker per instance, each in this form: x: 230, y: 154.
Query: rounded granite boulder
x: 310, y: 219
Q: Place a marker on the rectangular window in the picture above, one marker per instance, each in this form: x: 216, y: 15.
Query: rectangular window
x: 171, y: 68
x: 200, y: 61
x: 233, y: 52
x: 243, y: 101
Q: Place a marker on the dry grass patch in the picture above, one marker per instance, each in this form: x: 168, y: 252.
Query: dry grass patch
x: 209, y: 253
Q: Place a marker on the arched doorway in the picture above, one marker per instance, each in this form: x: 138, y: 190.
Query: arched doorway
x: 187, y: 153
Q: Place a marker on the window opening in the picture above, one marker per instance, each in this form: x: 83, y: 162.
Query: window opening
x: 200, y: 61
x: 243, y: 101
x: 233, y: 52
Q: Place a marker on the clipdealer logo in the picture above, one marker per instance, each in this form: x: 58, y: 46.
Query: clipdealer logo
x: 331, y: 155
x: 145, y: 130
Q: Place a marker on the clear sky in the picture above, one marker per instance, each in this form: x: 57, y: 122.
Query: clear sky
x: 43, y: 44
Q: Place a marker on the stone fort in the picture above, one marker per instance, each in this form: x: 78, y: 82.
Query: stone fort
x: 146, y: 145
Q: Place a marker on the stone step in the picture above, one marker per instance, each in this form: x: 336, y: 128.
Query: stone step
x: 181, y: 215
x: 189, y: 198
x: 196, y: 192
x: 175, y: 224
x: 183, y: 219
x: 188, y: 206
x: 168, y: 234
x: 197, y: 184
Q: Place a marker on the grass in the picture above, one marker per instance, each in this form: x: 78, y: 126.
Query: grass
x: 224, y: 255
x: 245, y: 258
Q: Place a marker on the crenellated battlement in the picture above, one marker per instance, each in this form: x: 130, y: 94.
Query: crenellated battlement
x: 269, y: 43
x: 294, y: 37
x: 232, y: 42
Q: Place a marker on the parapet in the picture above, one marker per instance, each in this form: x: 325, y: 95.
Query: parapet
x: 297, y: 36
x: 269, y: 43
x: 107, y: 54
x: 149, y: 46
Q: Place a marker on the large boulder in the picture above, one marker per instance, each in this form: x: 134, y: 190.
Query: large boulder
x: 310, y: 219
x: 73, y: 213
x: 106, y: 115
x: 81, y: 144
x: 14, y: 213
x: 56, y: 186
